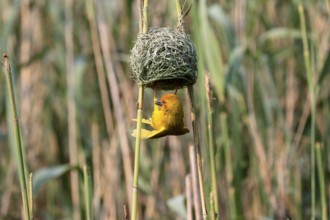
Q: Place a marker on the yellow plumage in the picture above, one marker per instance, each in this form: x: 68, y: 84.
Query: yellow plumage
x: 168, y: 120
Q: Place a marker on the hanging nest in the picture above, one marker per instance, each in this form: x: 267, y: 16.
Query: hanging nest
x: 164, y: 57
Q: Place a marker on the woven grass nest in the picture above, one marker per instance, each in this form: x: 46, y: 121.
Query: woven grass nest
x: 164, y: 57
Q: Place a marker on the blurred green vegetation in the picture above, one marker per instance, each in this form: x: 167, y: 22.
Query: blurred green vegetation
x: 70, y: 63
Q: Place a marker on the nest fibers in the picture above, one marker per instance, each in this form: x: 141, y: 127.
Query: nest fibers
x: 164, y: 57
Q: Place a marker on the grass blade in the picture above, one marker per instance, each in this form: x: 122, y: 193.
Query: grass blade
x: 19, y: 148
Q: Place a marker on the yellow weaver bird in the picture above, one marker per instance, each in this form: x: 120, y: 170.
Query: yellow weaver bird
x: 168, y: 120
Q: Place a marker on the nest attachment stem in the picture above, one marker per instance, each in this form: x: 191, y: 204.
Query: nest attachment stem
x: 139, y: 123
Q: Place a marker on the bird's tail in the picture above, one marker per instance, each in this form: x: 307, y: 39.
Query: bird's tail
x: 146, y: 134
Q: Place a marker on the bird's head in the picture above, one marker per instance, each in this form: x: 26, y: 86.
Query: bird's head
x: 169, y: 101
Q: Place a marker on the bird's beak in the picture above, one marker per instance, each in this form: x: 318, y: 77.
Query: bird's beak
x: 159, y: 103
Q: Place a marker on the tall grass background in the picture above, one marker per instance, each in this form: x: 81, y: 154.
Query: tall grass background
x: 265, y: 109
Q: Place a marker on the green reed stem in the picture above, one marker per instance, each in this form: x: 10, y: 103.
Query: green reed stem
x: 229, y: 166
x: 144, y: 27
x: 201, y: 185
x: 179, y: 12
x: 311, y: 90
x: 320, y: 170
x: 214, y: 184
x: 145, y: 16
x: 197, y: 149
x: 88, y: 192
x: 178, y: 8
x: 31, y: 194
x: 22, y: 169
x: 212, y: 210
x: 137, y: 153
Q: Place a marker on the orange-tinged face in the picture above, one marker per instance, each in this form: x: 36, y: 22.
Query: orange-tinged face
x: 170, y: 115
x: 170, y: 102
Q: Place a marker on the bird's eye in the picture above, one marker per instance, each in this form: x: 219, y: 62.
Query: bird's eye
x: 164, y: 102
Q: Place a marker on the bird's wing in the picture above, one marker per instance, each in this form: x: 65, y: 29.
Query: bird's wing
x: 146, y: 134
x: 145, y: 121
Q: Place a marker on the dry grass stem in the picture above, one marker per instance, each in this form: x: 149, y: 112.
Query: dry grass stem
x: 195, y: 183
x: 189, y: 197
